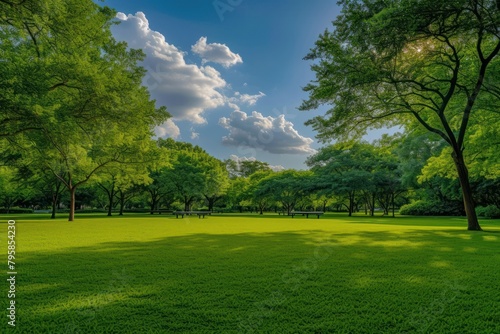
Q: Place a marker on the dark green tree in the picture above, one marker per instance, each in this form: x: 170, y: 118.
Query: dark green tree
x: 399, y: 62
x: 287, y: 187
x: 71, y: 90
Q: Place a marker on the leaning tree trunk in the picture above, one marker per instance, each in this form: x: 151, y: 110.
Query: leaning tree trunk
x: 463, y: 176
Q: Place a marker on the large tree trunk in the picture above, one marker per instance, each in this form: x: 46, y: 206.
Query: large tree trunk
x: 463, y: 176
x: 72, y: 204
x: 54, y: 206
x: 55, y: 199
x: 351, y: 203
x: 111, y: 197
x: 122, y: 202
x: 154, y: 201
x: 393, y: 209
x: 372, y: 210
x: 211, y: 202
x: 188, y: 201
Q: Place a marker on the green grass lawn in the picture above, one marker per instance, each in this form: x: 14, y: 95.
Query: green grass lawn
x: 261, y: 274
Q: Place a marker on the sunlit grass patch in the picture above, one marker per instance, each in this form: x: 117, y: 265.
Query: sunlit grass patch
x: 266, y: 274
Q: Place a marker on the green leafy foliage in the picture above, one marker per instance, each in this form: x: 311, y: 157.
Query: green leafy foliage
x: 425, y: 208
x: 430, y: 63
x: 288, y: 188
x: 192, y: 175
x: 358, y: 173
x: 71, y: 97
x: 490, y: 211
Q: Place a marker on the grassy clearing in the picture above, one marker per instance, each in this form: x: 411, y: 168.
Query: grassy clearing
x: 270, y: 274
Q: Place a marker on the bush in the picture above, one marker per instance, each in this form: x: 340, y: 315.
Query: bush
x: 424, y: 208
x: 16, y: 210
x: 490, y: 211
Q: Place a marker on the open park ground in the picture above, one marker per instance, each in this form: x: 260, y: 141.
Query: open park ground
x: 251, y: 273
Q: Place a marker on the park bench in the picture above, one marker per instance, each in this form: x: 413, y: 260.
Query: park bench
x: 306, y: 213
x: 160, y: 211
x: 188, y: 213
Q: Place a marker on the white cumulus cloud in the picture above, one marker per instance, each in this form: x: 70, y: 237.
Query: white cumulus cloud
x: 272, y: 134
x: 188, y: 90
x: 247, y: 99
x: 216, y: 53
x: 168, y: 129
x: 194, y: 134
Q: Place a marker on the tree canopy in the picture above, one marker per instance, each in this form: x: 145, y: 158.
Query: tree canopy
x: 71, y: 97
x: 403, y: 62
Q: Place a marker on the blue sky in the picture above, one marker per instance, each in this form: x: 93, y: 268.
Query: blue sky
x: 230, y: 71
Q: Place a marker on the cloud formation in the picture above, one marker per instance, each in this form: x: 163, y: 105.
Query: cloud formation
x: 238, y: 160
x: 168, y: 129
x: 216, y: 53
x: 194, y: 134
x: 247, y: 99
x: 188, y: 90
x: 274, y: 135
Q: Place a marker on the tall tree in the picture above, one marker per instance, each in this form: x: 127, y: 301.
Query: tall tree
x: 345, y: 171
x: 287, y: 187
x: 115, y: 181
x: 188, y: 173
x: 391, y: 62
x: 161, y: 188
x: 216, y: 181
x: 237, y: 194
x: 259, y: 195
x: 72, y: 91
x: 187, y: 177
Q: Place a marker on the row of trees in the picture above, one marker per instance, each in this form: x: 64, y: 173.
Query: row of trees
x: 358, y: 177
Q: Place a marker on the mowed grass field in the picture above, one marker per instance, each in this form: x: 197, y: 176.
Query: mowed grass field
x: 253, y: 274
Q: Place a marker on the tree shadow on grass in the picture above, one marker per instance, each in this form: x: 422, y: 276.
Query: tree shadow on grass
x: 303, y: 282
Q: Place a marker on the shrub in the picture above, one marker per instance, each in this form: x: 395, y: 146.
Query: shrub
x: 490, y: 211
x: 424, y: 208
x: 16, y: 210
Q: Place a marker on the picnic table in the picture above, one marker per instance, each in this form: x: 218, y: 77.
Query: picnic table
x: 188, y: 213
x: 306, y: 213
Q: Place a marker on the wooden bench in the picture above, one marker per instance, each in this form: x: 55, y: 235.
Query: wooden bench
x: 160, y: 211
x: 188, y: 213
x: 306, y: 213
